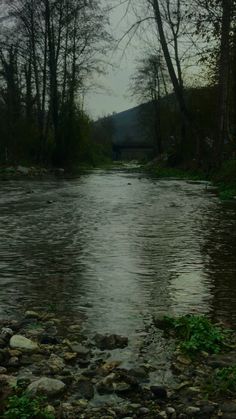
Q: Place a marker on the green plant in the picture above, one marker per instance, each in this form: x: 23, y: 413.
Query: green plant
x: 222, y: 382
x: 24, y: 407
x: 196, y: 334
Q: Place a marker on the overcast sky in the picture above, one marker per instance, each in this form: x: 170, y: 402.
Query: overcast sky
x: 115, y: 96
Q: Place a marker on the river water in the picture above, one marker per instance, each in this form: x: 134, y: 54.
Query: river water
x: 114, y: 249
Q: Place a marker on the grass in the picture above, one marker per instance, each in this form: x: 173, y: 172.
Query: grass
x: 169, y: 172
x: 225, y: 179
x: 24, y: 407
x: 196, y: 334
x: 221, y: 383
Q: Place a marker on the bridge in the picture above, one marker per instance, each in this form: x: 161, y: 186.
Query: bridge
x: 132, y: 151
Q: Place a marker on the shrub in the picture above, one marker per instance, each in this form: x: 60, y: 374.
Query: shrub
x: 23, y: 407
x: 196, y: 334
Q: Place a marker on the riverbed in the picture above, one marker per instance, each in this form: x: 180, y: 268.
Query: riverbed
x: 112, y: 250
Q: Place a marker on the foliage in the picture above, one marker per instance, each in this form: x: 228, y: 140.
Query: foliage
x: 24, y: 407
x: 170, y: 172
x: 225, y: 178
x: 225, y: 379
x: 196, y: 334
x: 222, y: 382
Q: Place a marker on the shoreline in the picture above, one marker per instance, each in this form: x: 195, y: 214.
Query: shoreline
x: 77, y: 379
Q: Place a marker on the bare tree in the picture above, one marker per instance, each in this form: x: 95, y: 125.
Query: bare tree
x: 150, y: 83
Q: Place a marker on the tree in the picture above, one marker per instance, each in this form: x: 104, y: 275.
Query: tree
x: 150, y: 84
x: 60, y: 44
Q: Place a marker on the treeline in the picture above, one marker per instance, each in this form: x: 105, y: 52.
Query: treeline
x: 191, y: 54
x: 49, y: 53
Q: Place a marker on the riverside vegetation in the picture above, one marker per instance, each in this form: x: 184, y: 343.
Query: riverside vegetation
x: 224, y: 179
x: 47, y: 373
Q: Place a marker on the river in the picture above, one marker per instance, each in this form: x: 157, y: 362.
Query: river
x: 114, y: 249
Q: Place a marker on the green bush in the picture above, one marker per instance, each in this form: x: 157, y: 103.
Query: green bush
x: 196, y: 334
x: 23, y: 407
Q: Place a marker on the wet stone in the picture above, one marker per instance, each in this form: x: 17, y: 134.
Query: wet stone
x: 85, y: 388
x: 229, y: 407
x: 46, y: 386
x: 46, y: 339
x: 22, y: 343
x: 159, y: 391
x: 79, y: 349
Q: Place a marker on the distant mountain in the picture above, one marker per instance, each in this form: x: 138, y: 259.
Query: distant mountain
x: 128, y: 127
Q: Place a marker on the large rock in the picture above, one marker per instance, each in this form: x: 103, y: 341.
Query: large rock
x: 22, y: 343
x: 23, y: 170
x: 46, y: 386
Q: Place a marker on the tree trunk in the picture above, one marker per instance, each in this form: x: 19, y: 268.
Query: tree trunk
x: 224, y: 71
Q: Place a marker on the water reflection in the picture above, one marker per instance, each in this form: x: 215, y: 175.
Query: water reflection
x: 115, y: 249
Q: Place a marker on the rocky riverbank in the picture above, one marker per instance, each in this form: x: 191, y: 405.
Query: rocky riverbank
x: 39, y: 356
x: 19, y: 172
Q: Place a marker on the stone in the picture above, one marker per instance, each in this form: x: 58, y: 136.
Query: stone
x: 81, y: 350
x: 56, y: 364
x: 69, y: 356
x: 6, y: 333
x: 143, y: 411
x: 108, y: 367
x: 110, y: 341
x: 50, y: 410
x: 139, y: 372
x: 229, y: 407
x: 192, y: 391
x: 184, y: 360
x: 23, y: 170
x: 30, y: 314
x: 7, y: 381
x: 22, y: 343
x: 75, y: 328
x: 3, y: 342
x: 3, y: 370
x: 162, y: 415
x: 46, y: 386
x: 47, y: 339
x: 171, y: 413
x: 107, y: 384
x: 121, y: 387
x: 192, y: 410
x: 85, y: 388
x: 159, y: 391
x: 13, y: 362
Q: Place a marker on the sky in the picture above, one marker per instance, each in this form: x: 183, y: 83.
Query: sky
x: 114, y: 96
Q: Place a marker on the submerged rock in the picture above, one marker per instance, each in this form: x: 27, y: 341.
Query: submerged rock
x: 46, y: 386
x: 85, y: 388
x: 111, y: 341
x: 22, y: 343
